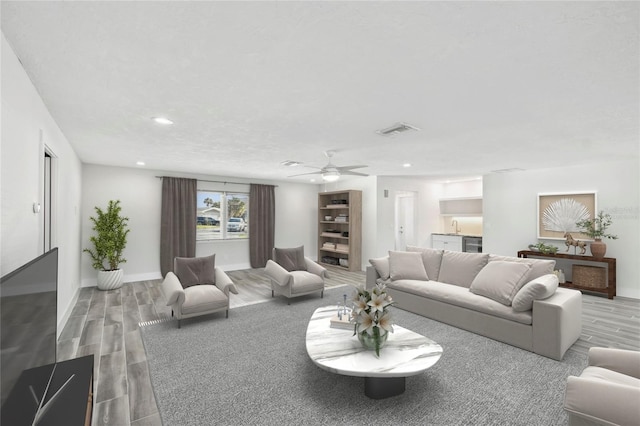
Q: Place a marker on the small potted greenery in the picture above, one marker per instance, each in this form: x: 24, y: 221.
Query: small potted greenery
x: 596, y: 229
x: 108, y: 244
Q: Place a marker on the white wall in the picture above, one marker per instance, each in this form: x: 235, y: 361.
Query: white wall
x: 24, y: 119
x: 139, y: 191
x: 510, y: 211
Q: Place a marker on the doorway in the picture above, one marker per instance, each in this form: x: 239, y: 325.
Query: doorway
x: 405, y: 219
x: 47, y: 197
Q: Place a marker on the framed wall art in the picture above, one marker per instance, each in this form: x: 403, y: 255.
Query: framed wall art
x: 559, y: 212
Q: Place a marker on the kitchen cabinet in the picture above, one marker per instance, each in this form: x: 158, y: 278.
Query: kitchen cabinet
x: 446, y: 242
x: 461, y: 207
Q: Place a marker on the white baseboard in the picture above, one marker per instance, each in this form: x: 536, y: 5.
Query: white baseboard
x: 128, y: 278
x: 131, y: 278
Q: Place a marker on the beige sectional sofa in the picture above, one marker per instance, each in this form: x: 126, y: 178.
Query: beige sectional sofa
x: 516, y: 301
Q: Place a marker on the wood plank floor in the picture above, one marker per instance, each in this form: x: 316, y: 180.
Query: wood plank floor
x: 106, y: 324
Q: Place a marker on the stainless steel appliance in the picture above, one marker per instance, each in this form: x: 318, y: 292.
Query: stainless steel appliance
x: 472, y: 244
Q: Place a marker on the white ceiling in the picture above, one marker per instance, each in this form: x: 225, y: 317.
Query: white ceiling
x: 491, y: 85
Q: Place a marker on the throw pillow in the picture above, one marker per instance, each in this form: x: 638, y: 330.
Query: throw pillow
x: 538, y: 289
x: 195, y: 270
x: 382, y: 266
x: 432, y: 258
x: 460, y: 268
x: 291, y: 259
x: 405, y: 265
x: 539, y: 267
x: 500, y: 281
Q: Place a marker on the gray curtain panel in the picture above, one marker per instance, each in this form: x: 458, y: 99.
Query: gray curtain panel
x: 262, y: 223
x: 177, y: 221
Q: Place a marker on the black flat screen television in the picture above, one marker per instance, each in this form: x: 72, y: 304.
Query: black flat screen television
x: 28, y: 321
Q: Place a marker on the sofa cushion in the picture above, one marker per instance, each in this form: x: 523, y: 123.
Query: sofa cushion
x: 432, y: 258
x: 195, y: 270
x: 203, y: 298
x: 537, y: 289
x: 406, y: 265
x: 461, y: 268
x: 381, y: 264
x: 291, y: 259
x: 459, y: 296
x: 500, y: 281
x: 539, y: 267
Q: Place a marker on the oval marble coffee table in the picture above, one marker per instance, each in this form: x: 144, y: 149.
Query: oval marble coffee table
x: 337, y: 350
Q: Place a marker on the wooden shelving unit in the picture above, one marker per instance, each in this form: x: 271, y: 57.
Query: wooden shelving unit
x: 345, y: 235
x: 567, y: 262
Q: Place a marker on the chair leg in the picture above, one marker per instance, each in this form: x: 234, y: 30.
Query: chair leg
x: 178, y: 323
x: 227, y: 313
x: 322, y: 294
x: 271, y: 293
x: 288, y: 301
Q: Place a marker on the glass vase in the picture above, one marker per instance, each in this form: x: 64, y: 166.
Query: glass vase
x: 368, y: 341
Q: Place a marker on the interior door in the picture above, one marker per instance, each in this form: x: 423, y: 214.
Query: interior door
x: 405, y: 219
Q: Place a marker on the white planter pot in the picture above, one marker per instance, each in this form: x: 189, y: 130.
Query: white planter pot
x: 110, y: 280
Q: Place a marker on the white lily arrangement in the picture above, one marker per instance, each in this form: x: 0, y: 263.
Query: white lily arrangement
x: 370, y: 314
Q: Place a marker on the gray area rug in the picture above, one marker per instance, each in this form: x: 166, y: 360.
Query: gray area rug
x: 253, y: 369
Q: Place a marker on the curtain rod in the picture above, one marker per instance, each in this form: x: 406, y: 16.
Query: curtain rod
x: 217, y: 181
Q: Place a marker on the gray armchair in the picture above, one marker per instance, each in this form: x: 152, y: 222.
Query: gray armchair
x: 197, y: 288
x: 608, y: 390
x: 292, y: 274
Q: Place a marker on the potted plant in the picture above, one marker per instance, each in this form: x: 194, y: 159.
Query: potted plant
x: 108, y: 244
x: 596, y: 228
x: 371, y: 318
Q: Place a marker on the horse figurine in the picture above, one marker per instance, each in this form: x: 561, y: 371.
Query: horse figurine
x: 576, y: 243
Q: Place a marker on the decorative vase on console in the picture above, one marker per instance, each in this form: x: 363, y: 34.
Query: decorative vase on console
x: 371, y: 317
x: 596, y: 228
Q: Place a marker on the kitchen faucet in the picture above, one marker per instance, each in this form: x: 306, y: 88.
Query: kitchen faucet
x: 454, y: 223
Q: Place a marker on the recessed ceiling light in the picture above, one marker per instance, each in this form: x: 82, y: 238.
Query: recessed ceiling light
x: 312, y: 180
x: 406, y: 165
x: 162, y: 120
x: 140, y: 163
x: 290, y: 163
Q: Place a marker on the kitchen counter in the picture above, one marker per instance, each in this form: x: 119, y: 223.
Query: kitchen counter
x: 457, y: 242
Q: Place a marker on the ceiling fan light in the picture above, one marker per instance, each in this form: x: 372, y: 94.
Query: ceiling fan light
x: 330, y: 176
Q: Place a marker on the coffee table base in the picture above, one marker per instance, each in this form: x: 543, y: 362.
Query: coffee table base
x: 380, y: 388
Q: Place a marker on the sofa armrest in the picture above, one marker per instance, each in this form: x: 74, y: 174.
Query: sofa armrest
x: 602, y: 402
x: 277, y: 273
x: 620, y: 360
x: 172, y: 290
x: 372, y: 276
x: 224, y: 283
x: 316, y: 268
x: 557, y: 322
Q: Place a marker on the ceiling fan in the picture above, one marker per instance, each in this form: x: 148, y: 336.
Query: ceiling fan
x: 331, y: 172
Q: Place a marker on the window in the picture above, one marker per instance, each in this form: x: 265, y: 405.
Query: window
x: 222, y: 215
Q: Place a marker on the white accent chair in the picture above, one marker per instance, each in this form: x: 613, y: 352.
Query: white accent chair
x: 292, y: 274
x: 197, y: 288
x: 608, y: 390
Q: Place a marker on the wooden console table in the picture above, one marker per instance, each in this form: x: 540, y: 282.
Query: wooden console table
x: 608, y: 287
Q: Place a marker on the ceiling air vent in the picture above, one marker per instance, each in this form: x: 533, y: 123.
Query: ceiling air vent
x: 396, y: 129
